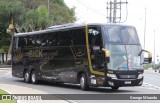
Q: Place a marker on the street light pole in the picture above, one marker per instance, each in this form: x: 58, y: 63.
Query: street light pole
x: 154, y: 53
x: 114, y: 11
x: 144, y: 27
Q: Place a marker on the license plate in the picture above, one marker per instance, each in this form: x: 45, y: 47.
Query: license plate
x: 127, y: 82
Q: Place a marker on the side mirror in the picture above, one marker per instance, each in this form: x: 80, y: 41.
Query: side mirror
x: 147, y: 57
x: 107, y: 55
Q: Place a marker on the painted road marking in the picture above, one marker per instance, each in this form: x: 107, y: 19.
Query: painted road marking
x: 150, y: 86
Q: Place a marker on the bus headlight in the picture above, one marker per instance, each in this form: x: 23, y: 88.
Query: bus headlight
x: 113, y: 76
x: 140, y: 76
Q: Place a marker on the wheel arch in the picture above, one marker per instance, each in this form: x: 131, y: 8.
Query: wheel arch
x: 25, y: 69
x: 79, y: 76
x: 83, y: 71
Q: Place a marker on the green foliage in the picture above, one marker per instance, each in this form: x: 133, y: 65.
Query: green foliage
x: 31, y: 15
x: 6, y: 8
x: 157, y: 66
x: 6, y: 101
x: 2, y: 51
x: 3, y: 92
x: 30, y: 19
x: 38, y: 17
x: 147, y: 66
x: 62, y: 14
x: 59, y: 2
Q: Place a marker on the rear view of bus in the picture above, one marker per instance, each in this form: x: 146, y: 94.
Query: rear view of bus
x: 126, y: 59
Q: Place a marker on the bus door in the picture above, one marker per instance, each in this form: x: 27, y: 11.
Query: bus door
x: 95, y: 46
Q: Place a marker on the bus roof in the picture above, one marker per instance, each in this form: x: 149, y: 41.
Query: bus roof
x: 63, y: 27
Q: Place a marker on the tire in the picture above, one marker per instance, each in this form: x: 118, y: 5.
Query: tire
x: 33, y: 77
x: 83, y: 82
x: 115, y: 88
x: 26, y: 77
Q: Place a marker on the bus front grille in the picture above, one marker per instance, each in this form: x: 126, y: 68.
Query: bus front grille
x: 127, y: 76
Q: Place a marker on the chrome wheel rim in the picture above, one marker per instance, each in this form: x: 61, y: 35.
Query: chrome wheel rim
x: 82, y: 82
x: 33, y: 78
x: 26, y: 77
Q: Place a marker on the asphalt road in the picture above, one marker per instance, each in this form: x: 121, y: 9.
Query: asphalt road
x: 152, y: 77
x: 151, y: 86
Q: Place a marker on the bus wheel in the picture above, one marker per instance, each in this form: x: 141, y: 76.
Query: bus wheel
x: 26, y: 77
x: 83, y: 82
x: 114, y: 88
x: 33, y: 77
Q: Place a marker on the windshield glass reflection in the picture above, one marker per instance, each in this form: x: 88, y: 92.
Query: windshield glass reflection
x: 122, y: 34
x: 124, y: 57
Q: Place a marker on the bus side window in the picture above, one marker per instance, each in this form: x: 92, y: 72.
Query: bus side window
x: 31, y: 42
x: 95, y: 40
x: 95, y: 44
x: 78, y: 45
x: 15, y: 43
x: 37, y: 40
x: 22, y: 42
x: 52, y: 39
x: 79, y: 37
x: 43, y: 40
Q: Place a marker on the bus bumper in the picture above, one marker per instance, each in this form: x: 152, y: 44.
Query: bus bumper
x: 123, y: 82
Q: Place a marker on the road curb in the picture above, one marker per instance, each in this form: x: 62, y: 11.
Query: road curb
x: 5, y: 66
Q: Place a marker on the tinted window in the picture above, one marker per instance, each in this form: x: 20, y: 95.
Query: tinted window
x: 78, y: 36
x: 31, y: 41
x: 38, y: 40
x: 94, y: 35
x: 43, y: 38
x: 69, y: 47
x: 22, y: 43
x: 53, y: 39
x: 122, y: 34
x: 15, y: 43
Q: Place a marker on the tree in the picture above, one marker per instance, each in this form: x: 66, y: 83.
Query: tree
x: 38, y: 18
x: 63, y: 14
x: 26, y: 12
x: 31, y: 15
x: 6, y: 9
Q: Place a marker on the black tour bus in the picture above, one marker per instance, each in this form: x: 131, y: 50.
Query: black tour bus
x: 108, y: 55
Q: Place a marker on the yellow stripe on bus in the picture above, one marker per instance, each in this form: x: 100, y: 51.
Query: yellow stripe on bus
x: 89, y: 57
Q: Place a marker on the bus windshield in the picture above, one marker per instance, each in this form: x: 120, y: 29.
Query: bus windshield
x: 124, y: 47
x: 122, y: 34
x: 125, y: 57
